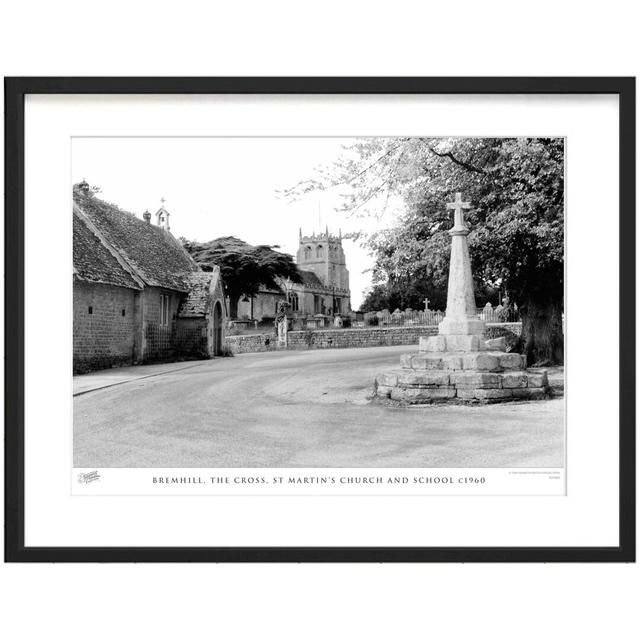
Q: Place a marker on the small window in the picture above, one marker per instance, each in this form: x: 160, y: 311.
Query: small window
x: 123, y: 313
x: 90, y: 311
x: 319, y: 251
x: 164, y: 310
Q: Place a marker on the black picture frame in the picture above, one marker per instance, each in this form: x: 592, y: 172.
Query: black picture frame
x: 15, y: 91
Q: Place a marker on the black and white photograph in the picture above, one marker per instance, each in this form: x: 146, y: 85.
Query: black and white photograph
x: 318, y: 303
x: 320, y: 321
x: 357, y: 325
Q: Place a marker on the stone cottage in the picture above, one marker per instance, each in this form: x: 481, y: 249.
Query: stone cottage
x: 138, y: 296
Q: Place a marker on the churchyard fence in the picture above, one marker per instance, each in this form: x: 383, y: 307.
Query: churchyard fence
x: 429, y: 318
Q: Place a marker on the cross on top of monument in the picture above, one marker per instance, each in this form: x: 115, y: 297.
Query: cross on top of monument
x: 458, y: 205
x: 163, y: 201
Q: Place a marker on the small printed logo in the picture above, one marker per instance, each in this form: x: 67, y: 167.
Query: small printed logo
x: 86, y: 478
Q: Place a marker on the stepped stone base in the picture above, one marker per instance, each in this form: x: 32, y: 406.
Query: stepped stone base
x: 483, y: 376
x: 470, y: 361
x: 423, y: 387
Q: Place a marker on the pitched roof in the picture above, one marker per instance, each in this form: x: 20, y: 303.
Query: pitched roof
x: 310, y: 279
x: 197, y: 300
x: 152, y: 253
x: 93, y: 262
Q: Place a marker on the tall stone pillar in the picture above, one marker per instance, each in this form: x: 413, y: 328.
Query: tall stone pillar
x: 461, y: 318
x: 461, y: 329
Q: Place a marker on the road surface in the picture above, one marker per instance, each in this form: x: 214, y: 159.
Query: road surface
x: 299, y: 409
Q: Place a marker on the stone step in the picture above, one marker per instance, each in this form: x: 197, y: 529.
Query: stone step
x: 442, y: 343
x: 422, y: 386
x: 473, y: 361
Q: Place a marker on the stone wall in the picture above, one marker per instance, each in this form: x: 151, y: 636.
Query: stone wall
x: 253, y: 343
x: 192, y: 338
x: 107, y: 331
x: 498, y: 329
x: 345, y: 338
x: 103, y: 326
x: 331, y: 338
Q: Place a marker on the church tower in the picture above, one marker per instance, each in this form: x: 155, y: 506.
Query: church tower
x: 323, y: 255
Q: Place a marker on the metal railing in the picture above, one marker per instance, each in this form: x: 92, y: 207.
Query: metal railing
x: 408, y: 318
x: 429, y: 318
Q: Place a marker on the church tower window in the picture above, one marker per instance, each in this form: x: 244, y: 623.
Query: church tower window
x: 319, y: 251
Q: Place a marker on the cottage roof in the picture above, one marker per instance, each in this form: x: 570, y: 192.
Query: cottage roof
x: 152, y: 253
x: 197, y: 300
x: 93, y: 262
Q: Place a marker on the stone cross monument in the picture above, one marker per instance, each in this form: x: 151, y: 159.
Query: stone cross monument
x: 461, y: 318
x: 458, y: 364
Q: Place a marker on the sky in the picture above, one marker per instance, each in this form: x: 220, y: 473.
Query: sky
x: 217, y: 187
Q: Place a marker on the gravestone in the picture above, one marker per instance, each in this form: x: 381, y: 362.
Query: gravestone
x: 458, y: 365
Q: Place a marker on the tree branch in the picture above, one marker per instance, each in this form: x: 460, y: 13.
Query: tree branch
x: 375, y: 162
x: 370, y: 196
x: 448, y: 154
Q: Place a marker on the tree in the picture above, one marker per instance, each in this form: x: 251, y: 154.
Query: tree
x: 516, y: 187
x: 401, y: 294
x: 377, y: 298
x: 244, y: 268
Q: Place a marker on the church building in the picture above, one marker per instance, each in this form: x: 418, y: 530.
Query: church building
x: 138, y: 296
x: 324, y: 289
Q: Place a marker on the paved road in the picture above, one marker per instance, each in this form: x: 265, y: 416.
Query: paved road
x: 301, y: 409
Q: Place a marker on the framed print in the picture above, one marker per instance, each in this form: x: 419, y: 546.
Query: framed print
x: 320, y: 319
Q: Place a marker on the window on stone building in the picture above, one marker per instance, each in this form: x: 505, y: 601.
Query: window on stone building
x: 307, y: 253
x: 123, y: 313
x: 319, y: 251
x: 90, y: 310
x: 164, y: 310
x: 294, y: 302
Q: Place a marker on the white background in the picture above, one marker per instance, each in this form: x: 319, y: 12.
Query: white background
x: 405, y: 601
x: 587, y: 516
